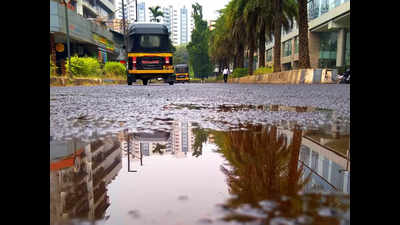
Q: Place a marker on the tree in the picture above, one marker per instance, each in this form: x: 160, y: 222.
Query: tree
x: 304, y: 55
x: 181, y: 55
x: 198, y: 47
x: 284, y: 13
x: 201, y: 136
x: 156, y: 13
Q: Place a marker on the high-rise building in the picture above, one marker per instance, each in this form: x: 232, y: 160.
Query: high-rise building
x: 141, y: 12
x: 184, y: 26
x: 130, y: 11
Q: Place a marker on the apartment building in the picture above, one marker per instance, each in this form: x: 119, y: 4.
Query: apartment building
x: 89, y: 31
x: 329, y: 37
x: 141, y: 12
x: 130, y: 10
x: 184, y: 28
x: 179, y: 22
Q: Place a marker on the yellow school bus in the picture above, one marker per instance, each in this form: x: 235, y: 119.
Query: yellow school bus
x: 149, y: 53
x: 182, y: 73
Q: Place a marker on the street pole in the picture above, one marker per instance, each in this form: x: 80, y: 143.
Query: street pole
x: 67, y: 29
x: 136, y: 10
x: 124, y: 27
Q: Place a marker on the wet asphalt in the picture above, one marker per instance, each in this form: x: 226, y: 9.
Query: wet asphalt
x: 85, y: 111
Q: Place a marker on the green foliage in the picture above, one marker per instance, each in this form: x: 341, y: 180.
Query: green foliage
x: 198, y: 47
x: 84, y: 66
x: 181, y: 55
x: 115, y: 69
x: 263, y: 70
x: 240, y: 72
x: 155, y: 11
x: 201, y: 136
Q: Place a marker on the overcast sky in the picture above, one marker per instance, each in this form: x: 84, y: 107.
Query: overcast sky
x: 209, y: 6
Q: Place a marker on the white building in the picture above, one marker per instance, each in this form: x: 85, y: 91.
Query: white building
x: 92, y: 8
x: 130, y: 10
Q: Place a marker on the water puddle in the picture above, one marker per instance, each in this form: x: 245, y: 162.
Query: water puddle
x: 181, y: 173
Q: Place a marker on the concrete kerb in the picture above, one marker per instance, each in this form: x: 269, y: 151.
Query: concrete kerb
x: 300, y: 76
x: 65, y: 81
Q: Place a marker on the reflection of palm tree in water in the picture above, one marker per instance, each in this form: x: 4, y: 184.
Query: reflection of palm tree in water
x: 264, y: 167
x: 158, y: 148
x: 200, y: 138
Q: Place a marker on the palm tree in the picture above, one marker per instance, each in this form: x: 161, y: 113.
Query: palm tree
x: 284, y: 12
x: 156, y: 13
x: 250, y: 17
x: 304, y: 56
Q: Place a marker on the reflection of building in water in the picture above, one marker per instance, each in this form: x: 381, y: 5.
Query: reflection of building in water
x: 178, y: 142
x: 148, y: 142
x: 79, y: 174
x: 182, y: 138
x: 328, y: 168
x: 326, y: 173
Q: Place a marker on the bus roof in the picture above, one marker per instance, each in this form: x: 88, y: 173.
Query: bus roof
x: 147, y: 28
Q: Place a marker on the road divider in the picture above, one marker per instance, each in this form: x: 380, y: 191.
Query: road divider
x: 300, y: 76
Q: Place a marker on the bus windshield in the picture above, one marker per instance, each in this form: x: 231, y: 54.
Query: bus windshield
x: 181, y: 69
x: 150, y: 43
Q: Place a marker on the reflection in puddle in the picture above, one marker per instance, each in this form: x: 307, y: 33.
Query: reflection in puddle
x: 269, y: 184
x: 79, y: 174
x: 237, y: 107
x: 184, y: 174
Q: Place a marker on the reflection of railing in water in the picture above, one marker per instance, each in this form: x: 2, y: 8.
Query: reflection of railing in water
x: 314, y: 174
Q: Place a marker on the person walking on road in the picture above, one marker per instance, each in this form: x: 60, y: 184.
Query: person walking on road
x: 226, y: 72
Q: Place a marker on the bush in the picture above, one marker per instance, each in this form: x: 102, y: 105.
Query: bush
x: 115, y: 69
x: 240, y: 72
x: 263, y: 70
x: 84, y: 66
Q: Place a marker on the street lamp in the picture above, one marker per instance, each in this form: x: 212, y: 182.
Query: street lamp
x: 67, y: 30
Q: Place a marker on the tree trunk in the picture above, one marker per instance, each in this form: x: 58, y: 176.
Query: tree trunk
x: 251, y: 57
x: 52, y: 49
x: 235, y: 61
x: 241, y: 56
x: 277, y: 35
x: 293, y: 163
x: 304, y: 56
x: 261, y: 47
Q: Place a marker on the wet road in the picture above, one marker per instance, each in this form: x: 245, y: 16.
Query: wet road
x: 82, y: 111
x: 200, y: 154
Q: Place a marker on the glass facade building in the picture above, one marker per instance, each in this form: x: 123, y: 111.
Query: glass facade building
x: 316, y: 8
x: 329, y: 37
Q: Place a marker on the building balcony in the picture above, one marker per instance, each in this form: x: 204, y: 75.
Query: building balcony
x: 80, y: 28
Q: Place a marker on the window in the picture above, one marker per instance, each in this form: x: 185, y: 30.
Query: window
x: 328, y: 47
x: 269, y: 55
x: 296, y: 45
x: 287, y: 48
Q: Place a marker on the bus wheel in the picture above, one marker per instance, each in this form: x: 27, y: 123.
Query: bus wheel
x: 129, y: 82
x: 171, y: 83
x: 145, y: 81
